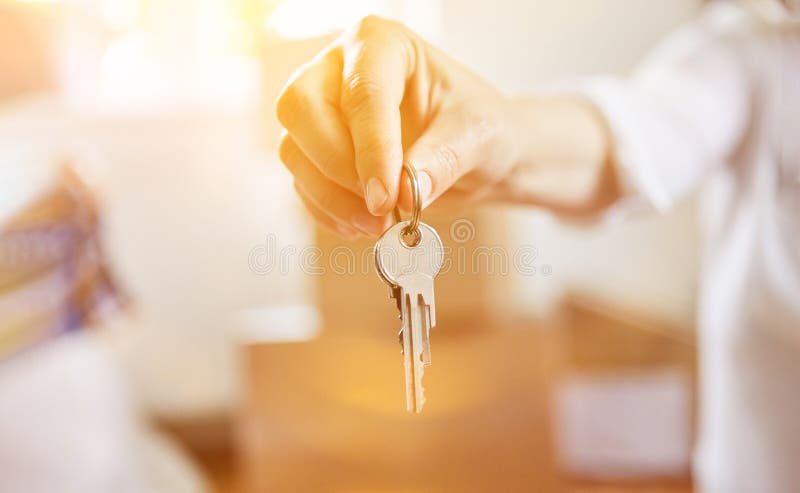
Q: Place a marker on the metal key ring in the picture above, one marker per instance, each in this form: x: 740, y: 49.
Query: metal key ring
x: 416, y: 211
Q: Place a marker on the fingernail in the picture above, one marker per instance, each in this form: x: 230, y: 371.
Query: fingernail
x: 368, y: 224
x: 376, y: 195
x: 425, y: 186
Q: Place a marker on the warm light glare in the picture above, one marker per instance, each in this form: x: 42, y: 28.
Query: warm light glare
x: 297, y: 19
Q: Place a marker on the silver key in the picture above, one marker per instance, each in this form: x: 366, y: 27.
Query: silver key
x: 410, y: 271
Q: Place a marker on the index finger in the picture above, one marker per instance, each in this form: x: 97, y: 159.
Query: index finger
x: 308, y: 107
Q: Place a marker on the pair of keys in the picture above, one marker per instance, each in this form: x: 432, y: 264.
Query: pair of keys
x: 408, y: 256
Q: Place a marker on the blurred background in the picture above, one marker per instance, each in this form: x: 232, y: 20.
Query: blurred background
x: 230, y: 346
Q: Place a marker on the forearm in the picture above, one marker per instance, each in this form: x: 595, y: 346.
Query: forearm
x: 563, y: 159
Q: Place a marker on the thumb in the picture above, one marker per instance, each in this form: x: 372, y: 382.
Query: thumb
x: 440, y: 158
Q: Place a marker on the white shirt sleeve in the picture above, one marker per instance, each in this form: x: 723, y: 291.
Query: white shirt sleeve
x: 680, y: 114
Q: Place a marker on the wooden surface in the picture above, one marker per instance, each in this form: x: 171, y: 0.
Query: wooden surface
x: 328, y: 415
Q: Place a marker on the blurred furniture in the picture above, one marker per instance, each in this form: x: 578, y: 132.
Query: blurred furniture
x: 328, y: 415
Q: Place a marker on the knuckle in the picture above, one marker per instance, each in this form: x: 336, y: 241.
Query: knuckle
x: 376, y: 32
x: 301, y: 192
x: 374, y: 146
x: 286, y: 150
x: 328, y: 200
x: 448, y: 160
x: 359, y: 92
x: 329, y: 164
x: 369, y: 26
x: 289, y: 103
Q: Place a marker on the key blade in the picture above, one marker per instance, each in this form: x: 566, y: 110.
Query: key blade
x: 417, y: 346
x: 422, y: 286
x: 428, y: 317
x: 430, y: 303
x: 397, y: 294
x: 407, y: 339
x: 426, y: 334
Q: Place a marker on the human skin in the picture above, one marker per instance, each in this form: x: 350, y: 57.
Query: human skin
x: 381, y: 95
x: 23, y: 58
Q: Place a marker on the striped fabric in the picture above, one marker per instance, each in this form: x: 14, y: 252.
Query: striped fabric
x: 52, y: 275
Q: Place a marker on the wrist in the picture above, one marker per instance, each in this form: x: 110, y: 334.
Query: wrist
x: 559, y: 129
x: 561, y: 148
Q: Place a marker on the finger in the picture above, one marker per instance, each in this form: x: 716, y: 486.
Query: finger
x: 326, y: 221
x: 340, y: 204
x: 308, y: 108
x: 450, y: 148
x: 378, y: 60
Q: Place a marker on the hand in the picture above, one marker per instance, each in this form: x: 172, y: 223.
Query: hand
x: 376, y: 97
